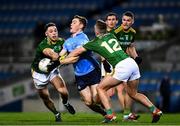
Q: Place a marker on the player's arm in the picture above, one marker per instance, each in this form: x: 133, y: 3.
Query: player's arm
x: 77, y: 52
x: 69, y: 60
x: 58, y: 59
x: 106, y: 65
x: 49, y: 52
x: 63, y: 52
x: 131, y: 51
x: 73, y: 56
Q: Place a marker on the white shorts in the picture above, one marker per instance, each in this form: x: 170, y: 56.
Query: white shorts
x: 126, y: 70
x: 41, y: 80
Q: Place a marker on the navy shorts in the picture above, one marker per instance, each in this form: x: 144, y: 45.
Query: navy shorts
x: 89, y: 79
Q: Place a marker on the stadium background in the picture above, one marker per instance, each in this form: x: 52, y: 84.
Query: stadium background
x: 157, y: 41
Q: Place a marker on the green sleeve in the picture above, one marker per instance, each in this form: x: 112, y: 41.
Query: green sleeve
x: 90, y: 45
x: 42, y: 46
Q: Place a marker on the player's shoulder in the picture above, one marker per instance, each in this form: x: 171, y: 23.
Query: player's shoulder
x: 132, y: 30
x: 44, y: 41
x: 61, y: 39
x: 83, y: 36
x: 93, y: 40
x: 118, y: 29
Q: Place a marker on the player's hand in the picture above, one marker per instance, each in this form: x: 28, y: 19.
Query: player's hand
x: 138, y: 60
x: 62, y: 57
x: 107, y: 66
x: 52, y: 65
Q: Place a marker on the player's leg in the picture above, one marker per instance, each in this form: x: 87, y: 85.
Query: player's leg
x: 60, y: 86
x: 128, y: 114
x: 96, y: 106
x: 87, y: 88
x: 87, y: 97
x: 132, y: 86
x: 120, y: 73
x: 121, y: 95
x: 132, y: 91
x: 124, y: 100
x: 111, y: 92
x: 40, y: 82
x: 107, y: 83
x: 44, y: 94
x: 104, y: 73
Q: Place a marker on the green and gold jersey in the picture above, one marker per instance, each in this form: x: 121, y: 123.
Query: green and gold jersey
x: 108, y: 47
x: 57, y: 47
x: 125, y: 38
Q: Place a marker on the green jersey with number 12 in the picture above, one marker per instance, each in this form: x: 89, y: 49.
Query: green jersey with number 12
x: 108, y: 47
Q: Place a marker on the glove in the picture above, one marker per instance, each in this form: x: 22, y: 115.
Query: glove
x: 62, y: 57
x: 52, y: 65
x: 138, y: 60
x: 107, y: 66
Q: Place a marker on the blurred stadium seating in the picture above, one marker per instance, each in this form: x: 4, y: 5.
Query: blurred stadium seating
x: 18, y: 20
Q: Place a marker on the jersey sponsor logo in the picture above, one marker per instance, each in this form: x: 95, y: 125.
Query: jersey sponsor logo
x: 57, y: 49
x: 125, y: 43
x: 121, y: 38
x: 126, y: 38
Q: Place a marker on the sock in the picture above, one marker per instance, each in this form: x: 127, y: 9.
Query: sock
x: 65, y: 101
x: 152, y: 108
x: 57, y: 114
x: 50, y: 105
x: 97, y: 109
x: 126, y: 111
x: 109, y: 111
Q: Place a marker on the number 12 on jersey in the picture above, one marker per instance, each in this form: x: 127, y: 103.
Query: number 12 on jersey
x: 115, y: 45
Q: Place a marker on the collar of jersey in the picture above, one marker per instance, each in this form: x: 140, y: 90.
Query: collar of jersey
x: 50, y: 42
x: 77, y: 34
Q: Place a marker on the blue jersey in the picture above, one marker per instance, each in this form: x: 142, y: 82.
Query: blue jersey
x: 82, y: 66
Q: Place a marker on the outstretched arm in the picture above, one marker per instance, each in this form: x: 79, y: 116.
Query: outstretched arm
x: 69, y: 60
x: 63, y: 52
x: 77, y: 52
x: 49, y: 52
x: 73, y: 56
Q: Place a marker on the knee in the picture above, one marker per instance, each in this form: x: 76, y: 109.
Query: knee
x: 88, y: 102
x: 132, y: 94
x: 98, y: 88
x: 62, y: 91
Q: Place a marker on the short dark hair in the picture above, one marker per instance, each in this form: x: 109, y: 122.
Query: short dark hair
x: 101, y: 25
x: 129, y: 14
x: 49, y: 25
x: 82, y: 19
x: 111, y: 14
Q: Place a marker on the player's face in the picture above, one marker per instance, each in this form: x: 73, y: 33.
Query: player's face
x: 52, y: 33
x: 111, y: 22
x: 127, y: 22
x: 76, y: 26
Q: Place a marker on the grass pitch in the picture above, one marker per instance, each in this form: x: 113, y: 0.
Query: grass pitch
x: 45, y: 118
